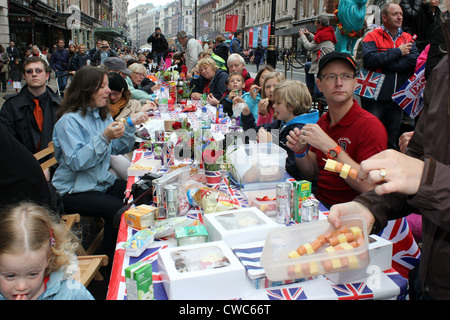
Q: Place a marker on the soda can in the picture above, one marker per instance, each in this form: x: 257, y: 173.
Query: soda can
x: 158, y: 199
x: 171, y: 201
x: 159, y: 135
x: 310, y: 210
x: 284, y: 195
x: 168, y: 154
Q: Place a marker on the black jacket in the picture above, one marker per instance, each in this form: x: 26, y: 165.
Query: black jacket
x: 159, y: 45
x: 222, y: 51
x: 97, y: 56
x: 18, y: 118
x: 217, y: 86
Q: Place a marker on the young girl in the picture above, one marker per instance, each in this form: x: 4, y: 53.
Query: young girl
x: 292, y: 108
x: 16, y: 75
x: 37, y: 258
x: 265, y: 105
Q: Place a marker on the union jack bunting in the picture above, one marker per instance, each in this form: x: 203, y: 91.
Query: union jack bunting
x: 287, y: 294
x: 368, y: 83
x: 410, y: 96
x: 353, y: 291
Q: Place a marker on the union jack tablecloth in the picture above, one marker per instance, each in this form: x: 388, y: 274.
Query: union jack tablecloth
x: 390, y: 284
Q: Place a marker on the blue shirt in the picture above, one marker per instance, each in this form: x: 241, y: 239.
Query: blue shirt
x: 83, y: 154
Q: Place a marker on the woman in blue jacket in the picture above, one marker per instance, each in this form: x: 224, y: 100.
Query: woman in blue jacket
x: 85, y: 137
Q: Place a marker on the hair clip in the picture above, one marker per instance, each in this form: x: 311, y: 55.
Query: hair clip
x: 52, y: 239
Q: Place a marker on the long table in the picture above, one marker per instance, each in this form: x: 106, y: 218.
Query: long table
x: 391, y: 284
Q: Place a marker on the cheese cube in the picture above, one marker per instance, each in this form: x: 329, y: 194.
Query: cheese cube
x: 345, y: 170
x: 293, y: 254
x: 330, y: 165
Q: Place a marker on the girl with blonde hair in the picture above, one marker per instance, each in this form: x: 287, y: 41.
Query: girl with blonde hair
x: 37, y: 256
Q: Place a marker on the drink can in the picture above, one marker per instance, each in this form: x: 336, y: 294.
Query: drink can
x: 159, y: 135
x: 158, y: 199
x: 171, y: 201
x: 284, y: 195
x: 204, y: 96
x: 310, y: 210
x: 168, y: 154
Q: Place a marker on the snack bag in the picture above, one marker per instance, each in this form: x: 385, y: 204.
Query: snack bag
x: 213, y: 200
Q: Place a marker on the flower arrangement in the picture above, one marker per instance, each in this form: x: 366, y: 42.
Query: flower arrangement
x: 212, y: 154
x: 183, y: 90
x: 352, y: 34
x: 167, y: 75
x: 185, y: 135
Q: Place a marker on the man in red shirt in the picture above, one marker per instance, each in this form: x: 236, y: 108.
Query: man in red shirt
x: 346, y: 133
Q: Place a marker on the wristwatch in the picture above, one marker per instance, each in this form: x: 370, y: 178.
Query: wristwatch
x: 334, y: 152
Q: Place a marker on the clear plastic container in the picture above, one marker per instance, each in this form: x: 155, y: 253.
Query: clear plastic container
x: 269, y: 207
x: 281, y: 243
x: 257, y: 162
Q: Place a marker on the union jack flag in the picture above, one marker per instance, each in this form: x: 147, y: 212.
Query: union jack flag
x: 405, y: 251
x: 353, y: 291
x: 399, y: 281
x: 410, y: 96
x: 368, y: 83
x: 287, y: 294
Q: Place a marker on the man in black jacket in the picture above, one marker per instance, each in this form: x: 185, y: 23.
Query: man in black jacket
x: 159, y: 45
x: 31, y: 114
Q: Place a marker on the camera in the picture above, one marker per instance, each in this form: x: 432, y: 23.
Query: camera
x: 143, y: 189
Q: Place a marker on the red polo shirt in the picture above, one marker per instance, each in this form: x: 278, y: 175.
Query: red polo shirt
x: 361, y: 135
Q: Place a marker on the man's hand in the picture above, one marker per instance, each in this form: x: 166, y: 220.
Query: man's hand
x: 405, y: 48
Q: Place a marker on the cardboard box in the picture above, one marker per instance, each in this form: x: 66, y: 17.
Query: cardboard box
x: 139, y: 281
x: 140, y: 217
x: 207, y: 271
x: 380, y: 254
x: 301, y: 190
x: 239, y: 226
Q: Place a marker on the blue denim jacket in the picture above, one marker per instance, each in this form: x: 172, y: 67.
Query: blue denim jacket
x: 83, y: 154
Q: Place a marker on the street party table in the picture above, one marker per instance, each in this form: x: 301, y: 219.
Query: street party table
x: 389, y: 284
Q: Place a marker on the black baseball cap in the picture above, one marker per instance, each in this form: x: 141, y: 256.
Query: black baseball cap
x: 335, y: 55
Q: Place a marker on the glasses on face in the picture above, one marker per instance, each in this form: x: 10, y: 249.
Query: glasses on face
x: 139, y: 74
x: 37, y: 70
x: 333, y: 77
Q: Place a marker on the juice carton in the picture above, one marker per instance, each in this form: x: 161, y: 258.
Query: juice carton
x: 140, y: 217
x: 139, y: 281
x: 301, y: 191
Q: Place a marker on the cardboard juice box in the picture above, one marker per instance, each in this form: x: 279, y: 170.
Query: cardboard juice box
x: 139, y: 281
x: 301, y: 191
x: 140, y: 217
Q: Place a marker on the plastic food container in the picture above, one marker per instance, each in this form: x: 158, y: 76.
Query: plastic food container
x: 281, y: 263
x: 257, y: 162
x: 255, y: 199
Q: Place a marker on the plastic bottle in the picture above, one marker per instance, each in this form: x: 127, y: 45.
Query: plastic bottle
x: 205, y: 119
x: 163, y: 101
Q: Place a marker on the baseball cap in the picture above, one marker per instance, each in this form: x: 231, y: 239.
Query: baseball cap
x: 117, y: 64
x: 335, y: 55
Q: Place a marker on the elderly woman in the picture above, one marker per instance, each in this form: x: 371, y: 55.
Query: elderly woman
x: 236, y: 63
x: 139, y: 90
x: 212, y: 80
x: 85, y: 137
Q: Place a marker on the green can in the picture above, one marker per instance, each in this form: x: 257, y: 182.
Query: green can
x: 204, y: 96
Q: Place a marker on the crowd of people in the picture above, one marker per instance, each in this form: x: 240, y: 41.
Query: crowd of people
x: 92, y: 119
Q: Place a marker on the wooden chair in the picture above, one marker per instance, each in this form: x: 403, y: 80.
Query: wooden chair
x: 88, y: 268
x: 50, y: 150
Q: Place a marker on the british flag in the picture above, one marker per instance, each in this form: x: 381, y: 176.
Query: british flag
x: 399, y: 281
x: 405, y: 251
x: 368, y: 83
x: 353, y: 291
x: 410, y: 96
x: 287, y: 294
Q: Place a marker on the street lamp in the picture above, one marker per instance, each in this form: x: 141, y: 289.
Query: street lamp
x: 271, y: 49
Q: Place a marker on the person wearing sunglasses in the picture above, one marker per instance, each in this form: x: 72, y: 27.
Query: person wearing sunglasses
x: 31, y: 114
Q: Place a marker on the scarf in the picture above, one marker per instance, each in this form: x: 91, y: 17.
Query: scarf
x: 325, y: 34
x: 115, y: 108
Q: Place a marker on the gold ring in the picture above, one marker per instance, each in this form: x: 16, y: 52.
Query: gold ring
x: 382, y: 174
